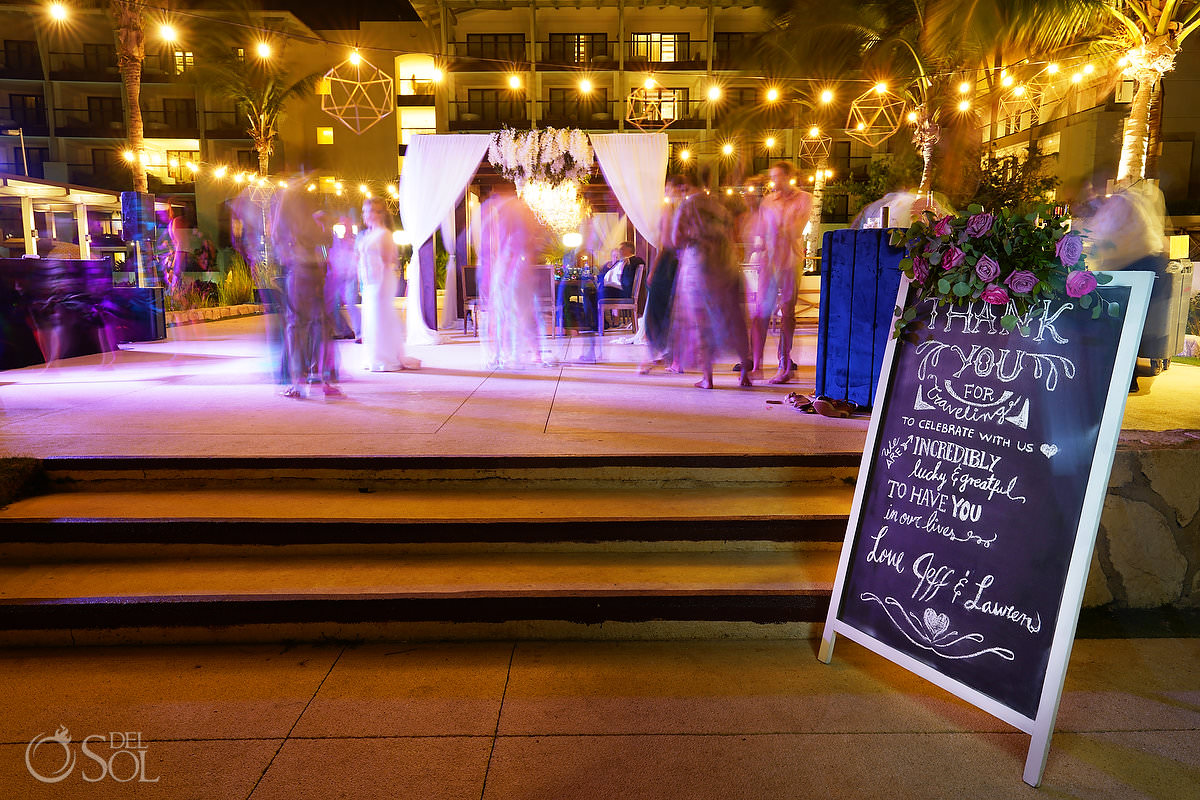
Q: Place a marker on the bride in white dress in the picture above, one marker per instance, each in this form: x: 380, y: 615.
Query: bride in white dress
x: 378, y: 259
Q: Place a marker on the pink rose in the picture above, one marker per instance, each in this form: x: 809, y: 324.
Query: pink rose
x: 1080, y: 282
x: 953, y: 257
x: 920, y: 269
x: 987, y: 269
x: 996, y: 295
x: 980, y: 225
x: 1022, y: 281
x: 942, y: 226
x: 1069, y: 249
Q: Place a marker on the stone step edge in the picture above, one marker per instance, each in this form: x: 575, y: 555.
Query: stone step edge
x: 26, y: 614
x: 819, y: 528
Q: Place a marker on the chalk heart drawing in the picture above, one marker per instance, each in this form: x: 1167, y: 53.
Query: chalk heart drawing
x: 1049, y: 450
x: 936, y: 623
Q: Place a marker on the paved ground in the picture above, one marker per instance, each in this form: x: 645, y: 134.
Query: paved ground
x: 204, y: 392
x: 555, y: 720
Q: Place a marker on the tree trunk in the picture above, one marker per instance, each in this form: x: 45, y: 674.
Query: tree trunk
x: 264, y: 158
x: 1154, y: 131
x: 1133, y: 140
x: 812, y: 240
x: 131, y: 52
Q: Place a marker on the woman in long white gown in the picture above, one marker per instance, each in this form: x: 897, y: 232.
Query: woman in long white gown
x: 378, y: 259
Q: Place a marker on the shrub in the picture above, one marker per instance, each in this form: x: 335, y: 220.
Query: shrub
x: 238, y: 286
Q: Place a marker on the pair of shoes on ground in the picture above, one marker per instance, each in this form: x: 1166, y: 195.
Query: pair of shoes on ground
x: 297, y: 393
x: 825, y: 406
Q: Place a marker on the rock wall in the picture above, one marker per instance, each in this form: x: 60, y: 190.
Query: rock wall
x: 1148, y: 549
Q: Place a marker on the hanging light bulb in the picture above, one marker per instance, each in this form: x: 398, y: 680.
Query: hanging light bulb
x: 772, y: 94
x: 770, y: 143
x: 355, y: 58
x: 827, y: 96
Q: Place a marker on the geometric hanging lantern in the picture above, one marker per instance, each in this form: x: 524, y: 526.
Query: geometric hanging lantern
x: 815, y: 146
x: 644, y: 109
x: 1018, y: 100
x: 874, y: 116
x: 356, y: 93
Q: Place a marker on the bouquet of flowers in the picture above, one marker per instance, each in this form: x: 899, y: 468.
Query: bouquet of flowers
x: 1005, y: 259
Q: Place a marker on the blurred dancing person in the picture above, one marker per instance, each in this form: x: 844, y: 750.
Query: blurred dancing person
x: 708, y: 314
x: 341, y: 285
x: 660, y: 288
x: 507, y: 274
x: 783, y: 217
x: 301, y: 239
x: 378, y: 260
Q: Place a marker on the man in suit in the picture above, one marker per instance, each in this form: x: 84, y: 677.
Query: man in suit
x: 617, y: 278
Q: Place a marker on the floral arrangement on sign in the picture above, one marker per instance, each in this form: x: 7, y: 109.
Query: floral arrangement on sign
x: 551, y: 155
x: 1005, y: 259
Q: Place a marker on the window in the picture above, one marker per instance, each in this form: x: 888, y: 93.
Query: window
x: 495, y: 105
x: 28, y: 111
x: 177, y: 165
x: 239, y: 54
x: 247, y: 160
x: 572, y: 105
x: 104, y: 161
x: 106, y: 112
x: 577, y: 48
x: 21, y: 56
x: 185, y: 60
x: 99, y: 57
x: 731, y: 48
x: 498, y: 46
x: 37, y: 157
x: 660, y: 47
x: 672, y: 103
x: 324, y: 135
x: 179, y: 114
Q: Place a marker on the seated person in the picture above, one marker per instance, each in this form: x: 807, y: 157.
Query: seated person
x: 616, y: 278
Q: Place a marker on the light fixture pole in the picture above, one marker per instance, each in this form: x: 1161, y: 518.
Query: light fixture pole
x: 20, y: 132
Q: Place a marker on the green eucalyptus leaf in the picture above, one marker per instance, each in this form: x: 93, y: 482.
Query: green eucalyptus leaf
x: 974, y: 208
x: 1085, y: 301
x: 1114, y: 310
x: 1102, y: 278
x: 934, y: 258
x: 910, y: 314
x: 962, y: 289
x: 1096, y: 312
x: 1008, y: 321
x: 943, y: 286
x: 1024, y: 330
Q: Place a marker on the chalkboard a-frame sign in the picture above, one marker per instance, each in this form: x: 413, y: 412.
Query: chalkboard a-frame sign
x: 982, y: 480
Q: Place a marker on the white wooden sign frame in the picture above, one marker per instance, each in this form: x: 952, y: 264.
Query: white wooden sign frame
x: 1041, y: 726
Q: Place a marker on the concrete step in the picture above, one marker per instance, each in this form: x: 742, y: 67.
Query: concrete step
x: 186, y: 586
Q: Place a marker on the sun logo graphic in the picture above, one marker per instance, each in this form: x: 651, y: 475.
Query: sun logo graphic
x: 62, y: 738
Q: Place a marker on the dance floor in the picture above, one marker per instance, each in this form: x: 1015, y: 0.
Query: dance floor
x: 205, y: 391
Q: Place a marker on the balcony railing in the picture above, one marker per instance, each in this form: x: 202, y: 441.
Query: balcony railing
x: 29, y: 125
x: 469, y: 115
x: 80, y: 122
x: 686, y: 114
x: 18, y: 168
x: 596, y: 115
x: 577, y: 54
x: 468, y: 56
x: 224, y: 125
x: 689, y: 54
x: 170, y: 125
x: 98, y: 68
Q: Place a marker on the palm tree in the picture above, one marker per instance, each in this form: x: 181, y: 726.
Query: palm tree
x: 127, y: 20
x: 261, y: 91
x: 1151, y: 33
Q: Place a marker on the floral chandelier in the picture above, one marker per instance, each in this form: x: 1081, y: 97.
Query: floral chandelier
x: 547, y: 167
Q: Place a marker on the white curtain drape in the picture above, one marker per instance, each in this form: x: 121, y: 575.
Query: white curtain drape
x: 434, y: 176
x: 635, y: 166
x: 448, y: 318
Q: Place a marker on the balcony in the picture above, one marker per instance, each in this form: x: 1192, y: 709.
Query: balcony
x: 224, y: 125
x: 170, y: 125
x: 18, y: 168
x: 79, y: 122
x: 469, y: 115
x: 598, y: 115
x: 30, y: 123
x: 101, y: 67
x: 577, y: 54
x: 682, y: 114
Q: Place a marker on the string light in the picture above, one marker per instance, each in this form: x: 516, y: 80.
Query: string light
x: 770, y: 143
x: 714, y: 92
x: 1077, y: 77
x: 912, y: 116
x: 167, y: 33
x: 727, y: 149
x: 964, y: 105
x: 685, y: 154
x: 649, y: 84
x: 772, y: 94
x: 1088, y: 69
x: 1006, y: 81
x: 814, y: 132
x: 881, y: 88
x: 964, y: 88
x: 827, y: 96
x: 263, y: 50
x: 58, y: 12
x: 585, y: 86
x: 355, y: 58
x: 514, y: 82
x: 1052, y: 68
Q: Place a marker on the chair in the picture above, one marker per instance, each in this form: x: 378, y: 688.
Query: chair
x: 472, y: 304
x: 620, y: 304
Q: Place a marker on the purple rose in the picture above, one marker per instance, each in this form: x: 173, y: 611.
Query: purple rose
x: 980, y: 225
x: 920, y: 269
x: 1069, y: 249
x: 1080, y: 282
x: 942, y: 226
x: 1022, y: 281
x: 953, y: 257
x: 987, y: 269
x: 996, y: 295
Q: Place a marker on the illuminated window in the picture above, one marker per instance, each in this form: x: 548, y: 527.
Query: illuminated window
x: 324, y: 135
x: 660, y: 47
x: 184, y: 61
